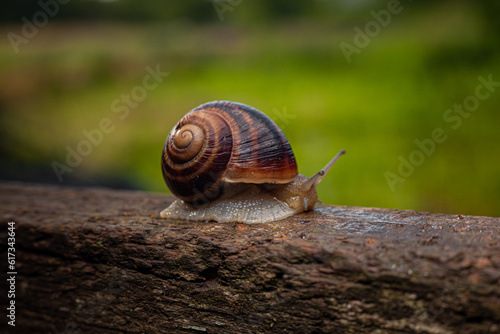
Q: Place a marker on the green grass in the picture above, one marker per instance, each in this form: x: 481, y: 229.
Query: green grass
x: 395, y: 91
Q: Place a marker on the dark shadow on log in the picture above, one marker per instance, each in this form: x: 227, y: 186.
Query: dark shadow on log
x: 101, y: 261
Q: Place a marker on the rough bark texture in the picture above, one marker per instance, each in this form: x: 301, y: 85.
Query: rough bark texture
x: 101, y: 261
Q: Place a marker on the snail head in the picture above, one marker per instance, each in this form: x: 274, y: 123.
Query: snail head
x: 301, y: 193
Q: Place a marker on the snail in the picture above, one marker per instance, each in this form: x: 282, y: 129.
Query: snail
x: 229, y: 162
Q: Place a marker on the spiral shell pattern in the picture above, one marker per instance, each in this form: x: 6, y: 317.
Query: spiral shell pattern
x: 224, y: 142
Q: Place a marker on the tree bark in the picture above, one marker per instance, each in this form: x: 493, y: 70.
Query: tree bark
x: 101, y: 261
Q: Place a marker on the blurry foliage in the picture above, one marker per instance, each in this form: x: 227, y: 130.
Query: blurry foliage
x: 154, y: 10
x: 278, y: 56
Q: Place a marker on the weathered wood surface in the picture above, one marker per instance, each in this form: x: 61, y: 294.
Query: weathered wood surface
x: 100, y: 261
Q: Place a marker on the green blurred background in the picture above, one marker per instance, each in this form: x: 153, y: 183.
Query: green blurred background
x: 64, y: 77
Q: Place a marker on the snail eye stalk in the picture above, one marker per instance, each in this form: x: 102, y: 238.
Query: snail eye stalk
x: 314, y: 180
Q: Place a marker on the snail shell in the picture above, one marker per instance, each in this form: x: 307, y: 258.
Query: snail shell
x: 227, y: 161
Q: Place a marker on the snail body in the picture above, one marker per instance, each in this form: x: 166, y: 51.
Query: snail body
x: 229, y: 162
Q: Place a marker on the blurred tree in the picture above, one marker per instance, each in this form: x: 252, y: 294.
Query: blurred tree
x: 197, y: 10
x: 204, y: 10
x: 490, y: 10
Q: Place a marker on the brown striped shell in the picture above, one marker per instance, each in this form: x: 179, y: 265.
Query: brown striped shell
x: 224, y: 142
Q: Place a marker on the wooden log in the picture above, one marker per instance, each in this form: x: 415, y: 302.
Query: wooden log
x: 101, y: 261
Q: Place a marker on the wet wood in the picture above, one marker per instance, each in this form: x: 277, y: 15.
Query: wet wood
x: 101, y: 261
